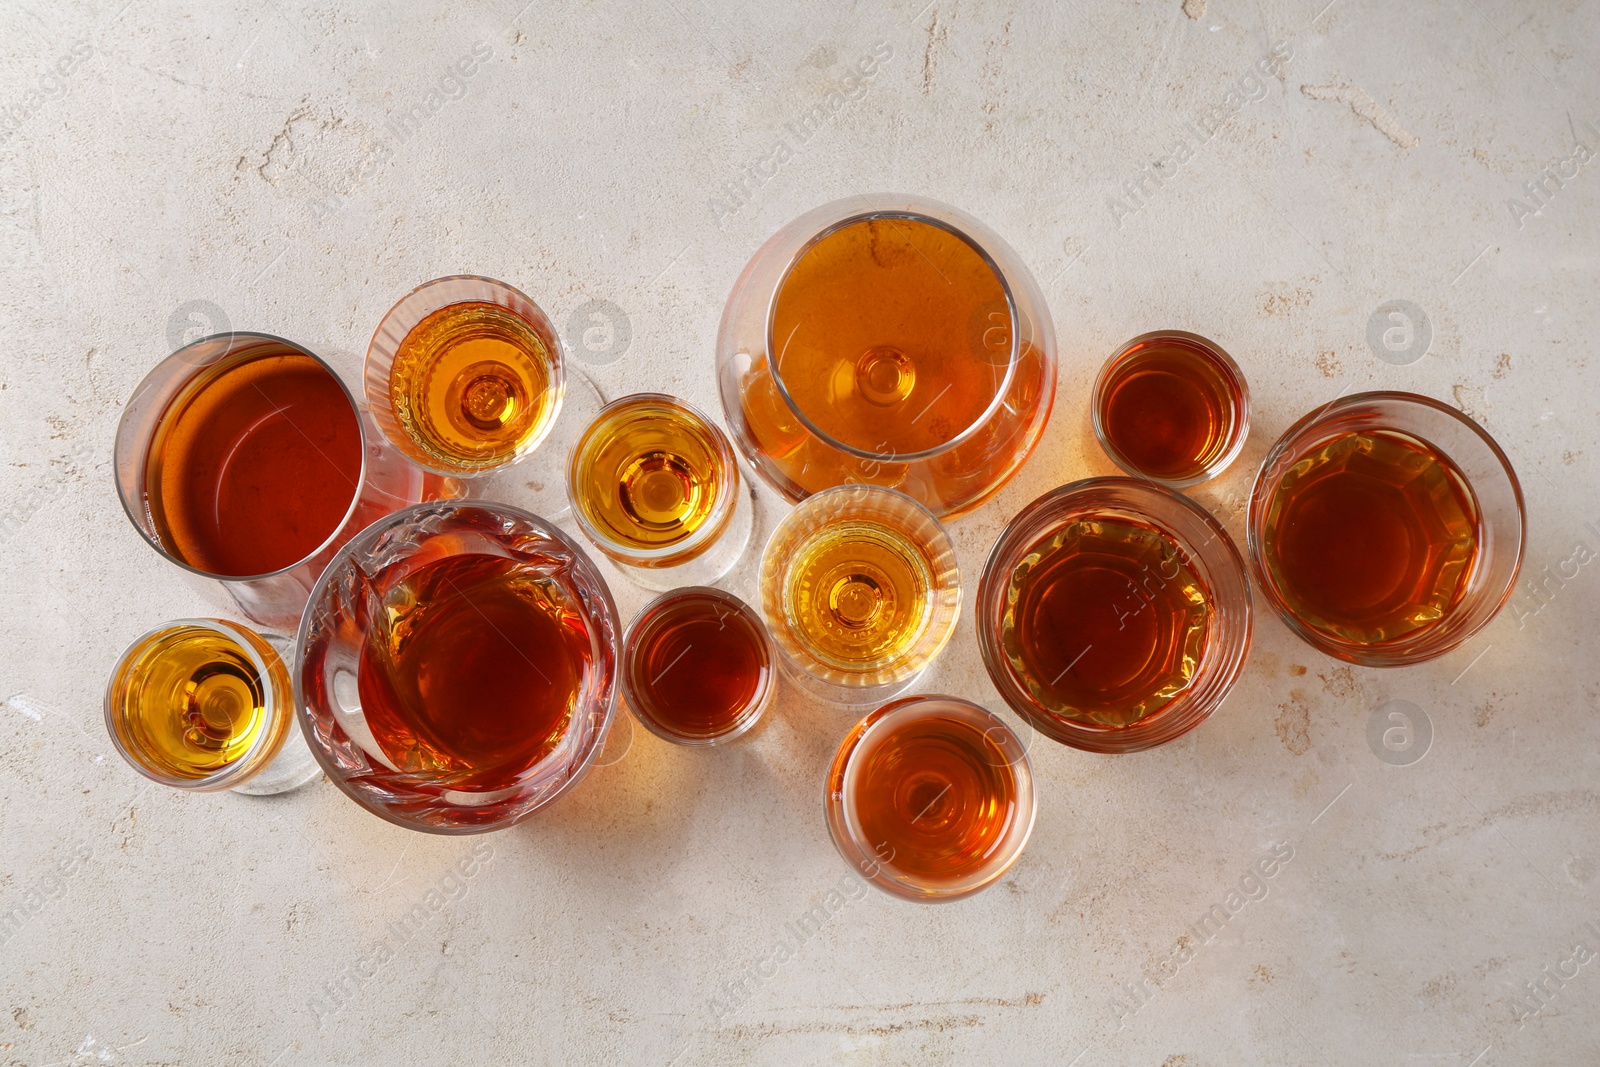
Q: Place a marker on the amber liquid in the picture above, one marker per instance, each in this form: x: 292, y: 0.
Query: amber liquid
x: 1372, y: 537
x: 857, y: 593
x: 472, y: 669
x: 472, y: 385
x: 1170, y: 409
x: 893, y: 336
x: 1105, y: 622
x: 649, y: 474
x: 697, y: 666
x: 188, y: 702
x: 933, y: 797
x: 254, y: 464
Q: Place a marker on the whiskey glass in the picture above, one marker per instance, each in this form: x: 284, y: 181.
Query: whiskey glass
x: 930, y: 798
x: 887, y: 340
x: 1423, y: 530
x: 1114, y: 614
x: 1172, y: 407
x: 304, y: 470
x: 467, y: 376
x: 655, y: 486
x: 205, y: 705
x: 698, y: 667
x: 457, y: 666
x: 860, y: 591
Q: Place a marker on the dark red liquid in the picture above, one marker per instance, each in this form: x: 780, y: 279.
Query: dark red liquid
x: 472, y: 669
x: 1108, y: 623
x: 1372, y: 536
x: 254, y: 465
x: 1170, y: 409
x: 697, y: 664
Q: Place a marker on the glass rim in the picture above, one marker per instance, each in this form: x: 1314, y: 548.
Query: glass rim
x: 1230, y: 369
x: 914, y: 215
x: 753, y: 709
x: 1183, y: 712
x: 1373, y: 655
x: 843, y: 817
x: 252, y: 761
x: 399, y: 438
x: 697, y: 542
x: 308, y: 717
x: 123, y: 425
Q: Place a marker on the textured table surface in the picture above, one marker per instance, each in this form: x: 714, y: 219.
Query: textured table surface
x: 294, y: 167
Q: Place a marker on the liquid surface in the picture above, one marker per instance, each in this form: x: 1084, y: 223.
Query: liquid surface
x: 697, y: 666
x: 1372, y: 537
x: 254, y: 464
x: 472, y: 668
x: 933, y: 797
x: 472, y: 384
x: 857, y: 594
x: 879, y: 333
x: 189, y: 702
x: 649, y: 474
x: 1105, y: 622
x: 1170, y: 410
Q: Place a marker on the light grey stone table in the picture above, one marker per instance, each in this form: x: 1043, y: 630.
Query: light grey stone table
x: 294, y: 166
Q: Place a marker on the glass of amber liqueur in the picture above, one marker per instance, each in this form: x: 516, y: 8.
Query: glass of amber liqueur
x: 1386, y: 528
x: 1114, y: 614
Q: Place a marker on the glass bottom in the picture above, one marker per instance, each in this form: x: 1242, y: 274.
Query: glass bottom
x: 291, y: 768
x: 538, y: 482
x: 714, y: 562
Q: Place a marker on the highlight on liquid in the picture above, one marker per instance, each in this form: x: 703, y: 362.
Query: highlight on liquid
x: 653, y: 482
x: 930, y: 798
x: 254, y: 463
x: 698, y: 666
x: 1171, y: 406
x: 199, y: 704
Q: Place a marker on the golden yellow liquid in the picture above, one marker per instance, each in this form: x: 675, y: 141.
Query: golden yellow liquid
x: 188, y: 702
x: 472, y: 384
x: 648, y: 473
x: 857, y: 594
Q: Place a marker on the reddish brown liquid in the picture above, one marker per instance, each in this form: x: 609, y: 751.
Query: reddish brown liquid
x: 472, y: 668
x: 1170, y: 409
x: 1107, y: 622
x: 254, y: 465
x: 696, y: 666
x: 1372, y: 536
x: 934, y: 797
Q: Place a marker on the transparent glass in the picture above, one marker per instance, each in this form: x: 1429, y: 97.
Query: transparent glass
x: 1197, y: 540
x: 930, y: 798
x: 860, y: 590
x: 140, y: 706
x: 275, y: 600
x: 698, y: 667
x: 1490, y: 480
x: 1179, y: 399
x: 1004, y: 351
x: 655, y: 485
x: 574, y: 403
x: 350, y: 599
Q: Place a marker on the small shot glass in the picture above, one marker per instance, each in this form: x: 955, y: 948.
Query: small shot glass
x: 655, y: 486
x: 860, y: 590
x: 930, y: 798
x: 698, y: 667
x: 1171, y: 407
x: 206, y: 705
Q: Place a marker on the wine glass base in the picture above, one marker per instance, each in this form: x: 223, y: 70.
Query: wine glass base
x: 538, y: 482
